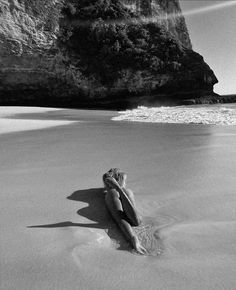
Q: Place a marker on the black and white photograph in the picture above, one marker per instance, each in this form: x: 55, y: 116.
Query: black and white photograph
x: 118, y: 144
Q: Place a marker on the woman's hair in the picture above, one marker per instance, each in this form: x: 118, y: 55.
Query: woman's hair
x: 117, y: 174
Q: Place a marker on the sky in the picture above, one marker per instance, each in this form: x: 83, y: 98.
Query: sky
x: 213, y: 35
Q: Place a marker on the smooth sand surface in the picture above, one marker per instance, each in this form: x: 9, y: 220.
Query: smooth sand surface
x: 10, y: 121
x: 57, y: 234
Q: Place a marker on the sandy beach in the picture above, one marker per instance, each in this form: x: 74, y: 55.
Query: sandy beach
x: 56, y: 232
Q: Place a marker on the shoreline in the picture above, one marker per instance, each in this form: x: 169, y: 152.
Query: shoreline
x: 133, y: 103
x: 218, y: 99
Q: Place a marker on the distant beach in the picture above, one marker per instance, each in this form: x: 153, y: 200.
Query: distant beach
x: 55, y: 230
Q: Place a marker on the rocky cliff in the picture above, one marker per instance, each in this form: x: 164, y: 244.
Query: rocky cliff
x: 98, y: 53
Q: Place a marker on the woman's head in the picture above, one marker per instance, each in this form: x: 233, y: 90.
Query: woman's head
x: 118, y: 175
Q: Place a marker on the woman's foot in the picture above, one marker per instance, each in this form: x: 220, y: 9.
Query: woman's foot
x: 138, y: 247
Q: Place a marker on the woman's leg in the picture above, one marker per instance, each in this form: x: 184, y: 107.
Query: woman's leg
x: 134, y: 217
x: 116, y: 210
x: 130, y: 195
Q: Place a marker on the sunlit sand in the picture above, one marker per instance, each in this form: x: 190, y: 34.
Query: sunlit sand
x: 11, y: 123
x: 57, y: 234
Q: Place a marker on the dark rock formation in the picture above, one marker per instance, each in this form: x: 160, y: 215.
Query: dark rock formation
x: 97, y: 53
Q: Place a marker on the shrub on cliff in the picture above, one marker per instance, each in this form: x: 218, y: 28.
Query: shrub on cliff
x: 95, y: 9
x: 107, y: 39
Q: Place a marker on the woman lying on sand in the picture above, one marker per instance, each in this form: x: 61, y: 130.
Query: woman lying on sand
x: 121, y: 205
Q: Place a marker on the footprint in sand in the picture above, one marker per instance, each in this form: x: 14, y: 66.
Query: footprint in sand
x: 149, y: 238
x: 148, y: 234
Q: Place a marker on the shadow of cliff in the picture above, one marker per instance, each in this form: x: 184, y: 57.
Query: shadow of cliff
x: 96, y: 212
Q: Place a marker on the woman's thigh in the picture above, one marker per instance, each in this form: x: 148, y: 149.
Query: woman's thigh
x: 130, y: 195
x: 136, y: 219
x: 113, y: 200
x: 114, y: 204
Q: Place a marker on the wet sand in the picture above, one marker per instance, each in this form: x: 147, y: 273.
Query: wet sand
x: 57, y: 234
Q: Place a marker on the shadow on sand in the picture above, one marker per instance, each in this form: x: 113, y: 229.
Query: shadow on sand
x: 96, y: 212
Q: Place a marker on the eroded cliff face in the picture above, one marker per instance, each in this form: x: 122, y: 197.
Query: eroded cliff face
x: 28, y: 61
x: 98, y: 53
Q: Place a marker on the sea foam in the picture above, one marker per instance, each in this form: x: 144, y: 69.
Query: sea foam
x: 200, y: 114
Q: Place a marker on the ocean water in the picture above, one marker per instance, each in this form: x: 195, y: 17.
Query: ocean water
x: 199, y: 114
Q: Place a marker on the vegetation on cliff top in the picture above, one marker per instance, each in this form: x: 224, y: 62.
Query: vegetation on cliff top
x: 106, y: 43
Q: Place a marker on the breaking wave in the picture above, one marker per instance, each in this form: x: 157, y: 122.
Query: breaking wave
x: 214, y: 115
